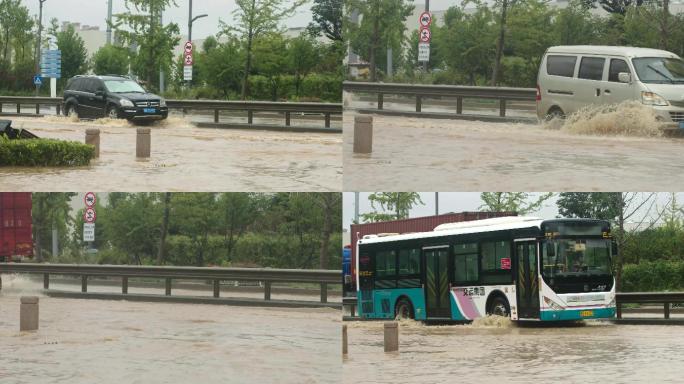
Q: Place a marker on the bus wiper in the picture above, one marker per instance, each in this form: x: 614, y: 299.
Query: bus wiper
x: 656, y: 70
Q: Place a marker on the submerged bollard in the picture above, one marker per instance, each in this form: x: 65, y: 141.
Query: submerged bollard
x: 363, y: 134
x: 344, y: 340
x: 28, y: 313
x: 93, y: 138
x: 391, y: 336
x: 143, y: 143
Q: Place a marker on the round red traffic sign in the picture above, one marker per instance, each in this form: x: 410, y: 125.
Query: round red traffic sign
x: 89, y: 215
x: 188, y: 47
x: 90, y: 199
x: 425, y: 19
x: 425, y: 35
x: 188, y: 59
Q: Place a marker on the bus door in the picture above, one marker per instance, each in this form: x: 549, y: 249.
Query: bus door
x: 437, y: 281
x: 527, y: 281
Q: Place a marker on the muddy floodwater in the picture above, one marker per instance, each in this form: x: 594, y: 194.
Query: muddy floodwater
x: 184, y: 158
x: 414, y: 154
x: 501, y: 352
x: 93, y: 341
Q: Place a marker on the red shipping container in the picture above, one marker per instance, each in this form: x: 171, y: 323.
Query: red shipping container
x: 416, y: 224
x: 16, y: 233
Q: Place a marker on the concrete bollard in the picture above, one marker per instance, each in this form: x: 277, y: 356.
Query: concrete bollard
x: 28, y: 314
x: 391, y: 336
x: 344, y: 340
x: 143, y: 143
x: 363, y: 134
x: 93, y: 138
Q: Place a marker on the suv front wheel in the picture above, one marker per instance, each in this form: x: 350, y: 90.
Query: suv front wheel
x: 113, y: 112
x: 70, y: 111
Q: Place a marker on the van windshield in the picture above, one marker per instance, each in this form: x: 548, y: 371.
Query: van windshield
x: 664, y: 70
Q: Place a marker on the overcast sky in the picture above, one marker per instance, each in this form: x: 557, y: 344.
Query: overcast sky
x: 94, y: 12
x: 470, y: 201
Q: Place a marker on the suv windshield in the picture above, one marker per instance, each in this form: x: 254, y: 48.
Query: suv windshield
x: 123, y: 86
x: 576, y: 257
x: 659, y: 69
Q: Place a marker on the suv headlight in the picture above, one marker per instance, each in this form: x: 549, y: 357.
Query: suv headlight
x: 650, y: 98
x: 126, y: 103
x: 162, y: 102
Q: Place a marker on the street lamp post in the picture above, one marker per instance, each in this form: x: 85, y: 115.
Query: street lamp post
x: 192, y: 20
x: 40, y: 33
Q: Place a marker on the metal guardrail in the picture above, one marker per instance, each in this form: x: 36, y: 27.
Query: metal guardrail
x: 265, y: 275
x: 421, y: 91
x: 325, y: 109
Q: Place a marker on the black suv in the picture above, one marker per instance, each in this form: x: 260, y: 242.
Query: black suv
x: 116, y: 97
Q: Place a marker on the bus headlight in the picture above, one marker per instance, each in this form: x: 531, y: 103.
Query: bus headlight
x: 552, y: 304
x: 650, y: 98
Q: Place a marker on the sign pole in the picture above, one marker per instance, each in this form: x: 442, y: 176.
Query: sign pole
x: 427, y: 9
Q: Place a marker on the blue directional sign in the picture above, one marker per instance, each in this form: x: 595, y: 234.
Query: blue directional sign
x: 37, y: 80
x: 51, y: 63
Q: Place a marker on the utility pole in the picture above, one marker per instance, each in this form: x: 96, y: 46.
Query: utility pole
x: 191, y: 20
x: 109, y: 21
x: 436, y: 203
x: 427, y: 9
x: 356, y: 207
x: 40, y: 33
x: 161, y: 69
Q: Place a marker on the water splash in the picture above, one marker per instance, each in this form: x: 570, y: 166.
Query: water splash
x: 18, y: 285
x: 629, y: 118
x: 491, y: 321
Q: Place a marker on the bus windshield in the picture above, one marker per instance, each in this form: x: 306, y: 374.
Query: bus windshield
x: 576, y: 257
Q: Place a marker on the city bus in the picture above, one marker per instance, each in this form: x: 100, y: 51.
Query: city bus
x: 522, y: 267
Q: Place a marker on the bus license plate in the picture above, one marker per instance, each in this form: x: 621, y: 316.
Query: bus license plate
x: 586, y: 313
x: 681, y: 125
x: 149, y: 110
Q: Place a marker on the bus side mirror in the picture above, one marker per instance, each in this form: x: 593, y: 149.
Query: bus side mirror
x: 624, y: 77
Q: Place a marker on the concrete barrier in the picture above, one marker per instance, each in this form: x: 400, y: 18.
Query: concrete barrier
x: 345, y: 349
x: 391, y: 336
x: 93, y: 138
x: 363, y: 134
x: 143, y: 142
x: 28, y: 313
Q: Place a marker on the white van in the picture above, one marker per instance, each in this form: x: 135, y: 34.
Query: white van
x: 574, y: 76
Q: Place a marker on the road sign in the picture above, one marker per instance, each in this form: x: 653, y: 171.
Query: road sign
x: 188, y: 47
x: 425, y: 34
x: 37, y: 80
x: 90, y: 199
x: 425, y: 19
x: 88, y: 231
x: 89, y: 215
x: 51, y: 63
x: 187, y: 73
x: 188, y: 59
x: 424, y: 52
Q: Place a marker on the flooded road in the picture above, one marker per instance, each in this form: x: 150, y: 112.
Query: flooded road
x: 184, y: 158
x: 413, y: 154
x: 93, y: 341
x: 501, y: 352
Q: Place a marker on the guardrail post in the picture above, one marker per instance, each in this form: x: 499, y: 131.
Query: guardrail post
x: 267, y: 290
x: 84, y: 283
x: 391, y: 336
x: 667, y: 310
x: 287, y: 119
x: 18, y: 107
x: 618, y: 307
x: 216, y: 115
x: 185, y: 111
x: 124, y: 285
x: 324, y: 292
x: 168, y: 287
x: 217, y: 290
x: 345, y: 349
x: 502, y: 107
x: 327, y: 119
x: 46, y: 281
x: 37, y: 109
x: 250, y: 116
x: 352, y: 310
x: 380, y: 100
x: 459, y: 105
x: 419, y: 103
x: 59, y: 109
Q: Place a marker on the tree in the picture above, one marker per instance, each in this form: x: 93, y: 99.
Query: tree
x: 302, y: 55
x: 254, y: 18
x: 199, y: 219
x: 330, y: 205
x: 520, y: 202
x: 327, y: 19
x: 615, y: 6
x: 594, y: 205
x: 50, y: 212
x: 500, y: 41
x: 400, y: 203
x: 74, y: 53
x: 110, y: 59
x: 237, y: 212
x: 164, y: 229
x: 222, y: 66
x: 155, y: 41
x: 270, y: 60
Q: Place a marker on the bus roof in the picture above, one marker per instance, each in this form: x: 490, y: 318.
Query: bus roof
x: 609, y: 50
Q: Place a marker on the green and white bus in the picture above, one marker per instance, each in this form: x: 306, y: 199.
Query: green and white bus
x: 523, y: 267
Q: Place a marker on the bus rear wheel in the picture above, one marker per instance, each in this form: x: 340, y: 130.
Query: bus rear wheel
x: 499, y: 307
x: 403, y: 310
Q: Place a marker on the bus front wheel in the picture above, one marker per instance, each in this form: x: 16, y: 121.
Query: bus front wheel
x: 403, y: 309
x: 499, y: 307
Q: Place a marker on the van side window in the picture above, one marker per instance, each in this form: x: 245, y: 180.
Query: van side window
x: 617, y: 66
x: 591, y: 68
x: 561, y: 65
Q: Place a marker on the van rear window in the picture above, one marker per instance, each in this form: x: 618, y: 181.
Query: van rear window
x: 561, y: 65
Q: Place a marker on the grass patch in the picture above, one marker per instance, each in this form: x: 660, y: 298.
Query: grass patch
x: 44, y: 152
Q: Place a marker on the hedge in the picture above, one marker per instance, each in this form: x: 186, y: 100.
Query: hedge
x: 44, y: 152
x: 653, y: 276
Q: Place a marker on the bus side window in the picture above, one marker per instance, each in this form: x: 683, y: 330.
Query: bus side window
x: 409, y: 262
x: 465, y: 263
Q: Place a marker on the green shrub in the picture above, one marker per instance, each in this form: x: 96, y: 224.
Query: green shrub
x: 653, y: 276
x: 44, y: 152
